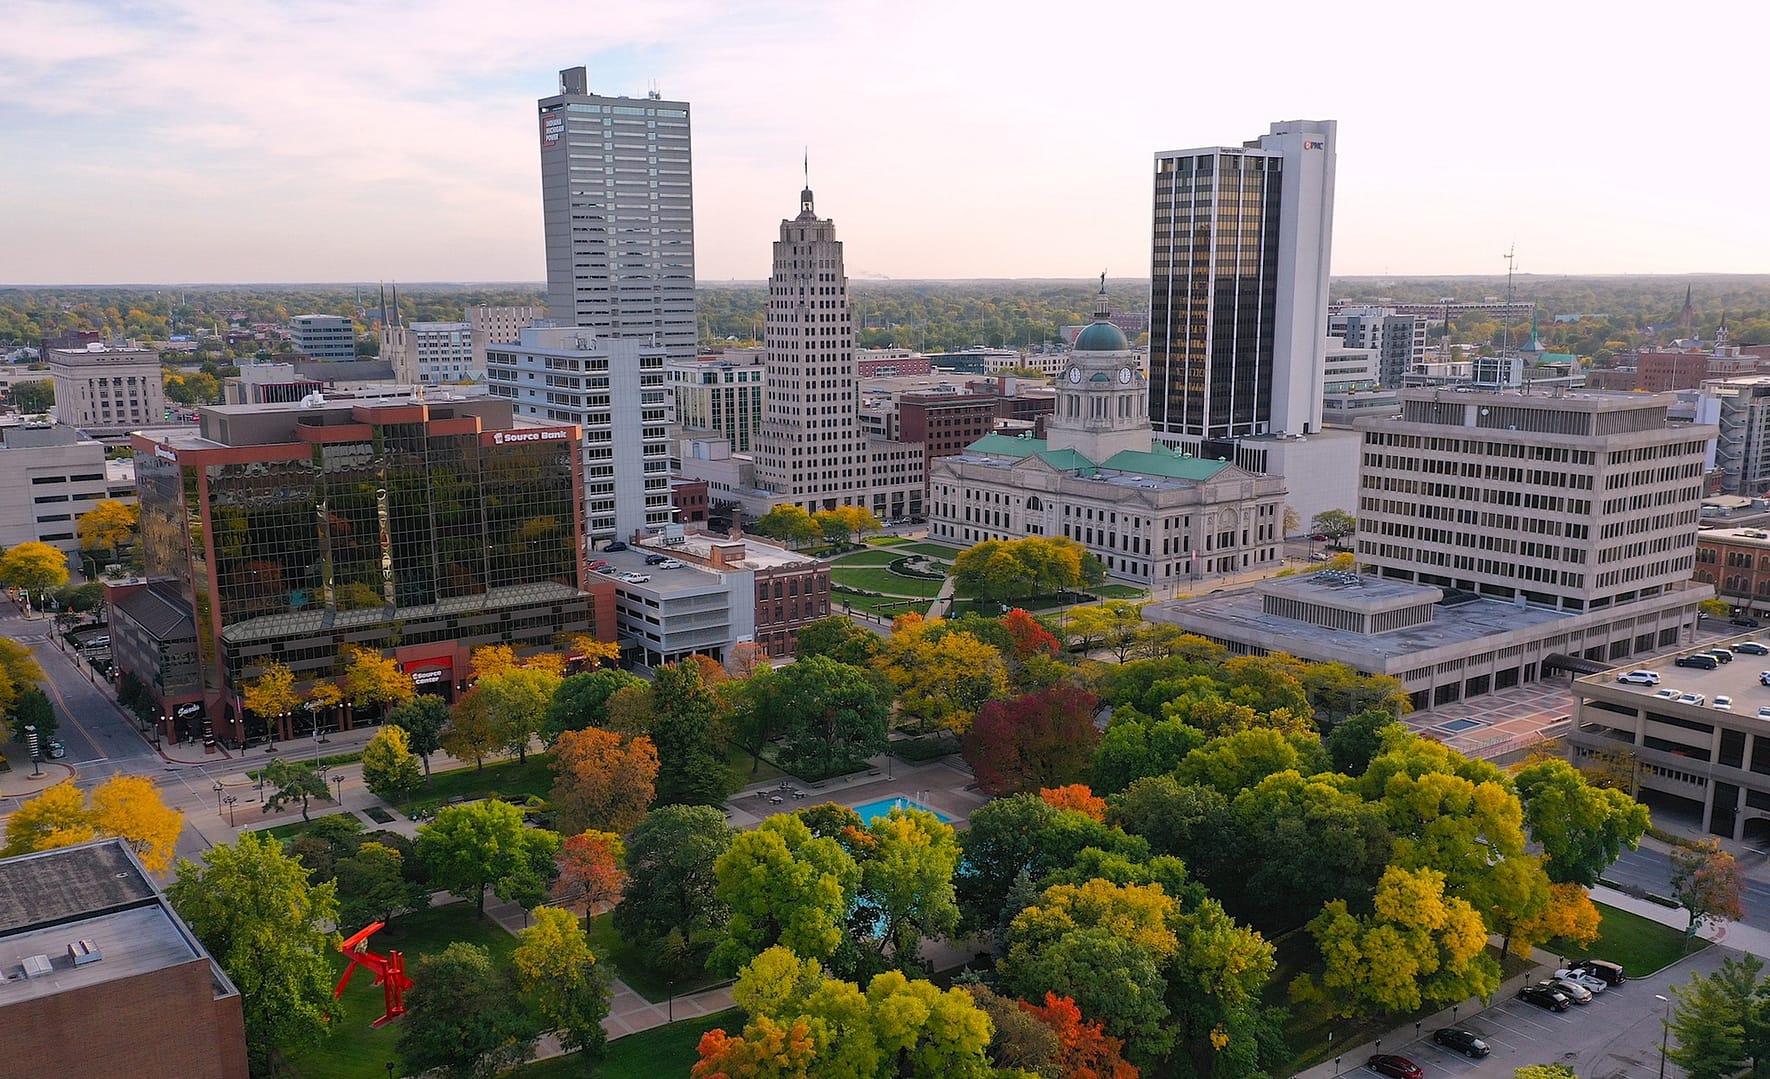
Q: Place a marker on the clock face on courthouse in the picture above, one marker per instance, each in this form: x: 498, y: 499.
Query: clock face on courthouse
x: 1125, y: 375
x: 1075, y: 374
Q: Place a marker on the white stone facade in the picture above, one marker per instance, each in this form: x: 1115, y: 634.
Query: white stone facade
x: 107, y: 388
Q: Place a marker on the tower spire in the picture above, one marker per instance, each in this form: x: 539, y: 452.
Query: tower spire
x: 805, y: 208
x: 1101, y: 308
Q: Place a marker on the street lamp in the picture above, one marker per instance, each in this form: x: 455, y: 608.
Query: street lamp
x: 230, y: 800
x: 1665, y: 1031
x: 218, y: 796
x: 338, y: 785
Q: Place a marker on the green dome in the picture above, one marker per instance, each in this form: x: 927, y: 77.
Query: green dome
x: 1101, y: 337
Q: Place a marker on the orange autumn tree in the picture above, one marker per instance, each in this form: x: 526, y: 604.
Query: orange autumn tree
x: 1030, y: 638
x: 590, y: 871
x: 1088, y: 1052
x: 766, y: 1049
x: 602, y: 780
x: 1076, y: 796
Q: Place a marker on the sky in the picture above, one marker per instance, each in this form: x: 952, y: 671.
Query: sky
x: 193, y: 141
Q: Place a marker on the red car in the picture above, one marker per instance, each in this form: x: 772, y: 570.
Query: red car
x: 1319, y: 537
x: 1395, y: 1067
x: 599, y: 565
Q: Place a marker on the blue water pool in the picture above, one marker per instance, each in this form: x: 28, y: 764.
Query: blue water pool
x: 870, y: 811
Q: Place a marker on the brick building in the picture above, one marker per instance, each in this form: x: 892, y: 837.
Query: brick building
x: 1737, y: 562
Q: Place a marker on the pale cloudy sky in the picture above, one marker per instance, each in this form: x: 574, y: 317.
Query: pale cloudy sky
x: 317, y: 140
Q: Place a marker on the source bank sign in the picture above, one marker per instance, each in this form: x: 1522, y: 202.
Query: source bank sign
x: 516, y: 438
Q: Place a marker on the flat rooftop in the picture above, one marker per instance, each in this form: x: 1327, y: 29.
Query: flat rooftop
x: 1737, y: 679
x: 131, y: 942
x: 37, y: 889
x: 688, y: 580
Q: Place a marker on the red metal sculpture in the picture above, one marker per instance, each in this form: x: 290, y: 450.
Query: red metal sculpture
x: 389, y: 969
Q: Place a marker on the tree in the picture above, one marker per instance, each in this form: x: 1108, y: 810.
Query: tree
x: 1116, y: 623
x: 670, y: 859
x: 783, y: 886
x: 34, y: 397
x: 941, y: 679
x: 255, y: 911
x: 372, y: 680
x: 1029, y: 637
x: 1023, y: 835
x: 1544, y: 1071
x: 1085, y: 1049
x: 790, y: 524
x: 125, y: 807
x: 469, y: 848
x: 1354, y: 741
x: 590, y: 871
x: 1020, y: 1043
x: 463, y: 1019
x: 1001, y: 570
x: 582, y: 701
x: 602, y: 780
x: 831, y: 525
x: 373, y: 886
x: 33, y: 568
x: 473, y: 731
x: 514, y: 701
x: 108, y: 526
x: 908, y: 858
x: 390, y: 770
x: 1715, y: 607
x: 1076, y: 797
x: 1706, y: 883
x: 691, y: 766
x: 422, y: 718
x: 1036, y: 740
x: 293, y: 781
x: 32, y: 709
x: 1334, y: 524
x: 1720, y: 1021
x: 841, y: 639
x: 1582, y: 829
x: 832, y: 715
x: 1419, y: 946
x: 272, y: 693
x: 561, y: 982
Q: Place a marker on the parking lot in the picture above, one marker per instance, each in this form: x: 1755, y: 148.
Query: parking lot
x: 1616, y: 1036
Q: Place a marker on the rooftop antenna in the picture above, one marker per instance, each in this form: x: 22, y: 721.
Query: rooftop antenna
x: 1506, y: 322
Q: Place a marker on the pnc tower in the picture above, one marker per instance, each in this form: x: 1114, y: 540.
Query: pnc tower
x: 1241, y: 245
x: 618, y: 202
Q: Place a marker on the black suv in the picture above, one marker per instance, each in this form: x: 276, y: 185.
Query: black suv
x: 1701, y: 660
x: 1543, y: 997
x: 1463, y: 1041
x: 1748, y: 623
x: 656, y: 559
x: 614, y: 545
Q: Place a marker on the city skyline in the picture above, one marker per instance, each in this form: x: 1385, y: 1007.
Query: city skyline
x: 308, y: 142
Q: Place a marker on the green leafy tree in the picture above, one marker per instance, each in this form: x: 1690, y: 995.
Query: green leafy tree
x: 292, y: 781
x: 33, y: 397
x: 685, y: 717
x: 1355, y: 741
x: 422, y: 718
x: 582, y: 701
x: 783, y: 886
x: 473, y: 731
x: 841, y: 639
x: 390, y: 769
x: 561, y: 982
x: 469, y: 848
x: 255, y: 911
x: 672, y: 887
x: 1334, y: 524
x: 1025, y: 835
x: 1582, y: 828
x: 1544, y: 1071
x: 1719, y: 1021
x: 464, y: 1019
x: 515, y: 701
x: 373, y: 886
x: 790, y: 524
x: 833, y: 716
x: 908, y: 861
x: 34, y: 710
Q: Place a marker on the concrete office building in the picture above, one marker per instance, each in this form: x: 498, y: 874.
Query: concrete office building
x: 1740, y: 408
x: 1239, y: 283
x: 617, y: 200
x: 717, y: 396
x: 488, y: 325
x: 107, y: 388
x: 323, y: 337
x: 101, y: 976
x: 419, y: 530
x: 50, y: 476
x: 1398, y: 340
x: 612, y: 389
x: 1151, y: 514
x: 430, y: 353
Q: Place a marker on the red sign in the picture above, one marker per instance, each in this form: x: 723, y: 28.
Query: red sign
x: 430, y: 672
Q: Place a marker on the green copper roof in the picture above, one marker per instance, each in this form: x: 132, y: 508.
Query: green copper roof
x: 1162, y: 462
x: 1101, y: 337
x: 1068, y: 461
x: 1007, y: 446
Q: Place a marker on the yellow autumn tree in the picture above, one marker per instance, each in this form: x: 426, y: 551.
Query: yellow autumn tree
x: 272, y: 693
x: 373, y: 679
x: 109, y: 525
x: 491, y: 659
x: 126, y: 807
x: 594, y: 652
x: 941, y: 677
x: 1570, y: 915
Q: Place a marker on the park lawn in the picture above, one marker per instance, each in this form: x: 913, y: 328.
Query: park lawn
x: 739, y: 761
x: 511, y: 780
x: 634, y: 964
x: 295, y: 827
x: 1641, y: 945
x: 886, y: 541
x: 665, y: 1050
x: 886, y: 607
x: 1119, y: 591
x: 877, y: 579
x: 868, y: 558
x: 933, y: 550
x: 357, y: 1050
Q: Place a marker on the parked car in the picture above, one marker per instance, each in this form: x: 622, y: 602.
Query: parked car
x: 1395, y: 1067
x: 1463, y: 1041
x: 1591, y: 982
x: 654, y: 559
x: 1764, y: 713
x: 1640, y: 678
x: 1723, y: 702
x: 599, y: 565
x: 1604, y: 968
x: 669, y: 563
x: 636, y: 578
x: 55, y: 751
x: 1700, y: 660
x: 1669, y: 694
x: 1723, y: 655
x: 1319, y: 537
x: 1570, y: 989
x: 1764, y: 678
x: 1748, y: 623
x: 1543, y: 998
x: 614, y: 545
x: 1752, y: 648
x: 1693, y: 698
x: 103, y: 640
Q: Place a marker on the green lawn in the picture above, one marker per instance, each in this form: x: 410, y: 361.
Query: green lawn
x: 295, y: 827
x: 660, y: 1051
x: 740, y: 761
x: 1119, y: 591
x: 886, y: 541
x: 933, y: 550
x: 1641, y: 945
x: 637, y: 967
x: 888, y: 607
x: 878, y: 579
x: 868, y: 558
x: 357, y: 1050
x: 512, y: 780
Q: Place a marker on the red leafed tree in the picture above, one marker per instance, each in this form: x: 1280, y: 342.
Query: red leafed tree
x: 1030, y: 638
x: 602, y: 780
x: 765, y: 1050
x: 590, y: 871
x: 1076, y: 796
x: 1088, y: 1051
x: 1042, y: 739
